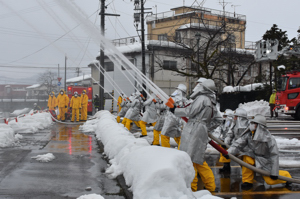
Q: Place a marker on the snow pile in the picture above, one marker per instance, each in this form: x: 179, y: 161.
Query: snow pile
x: 246, y: 88
x: 256, y: 107
x: 44, y: 158
x: 7, y: 136
x: 90, y: 196
x: 151, y: 172
x: 89, y: 126
x: 22, y: 111
x: 31, y: 123
x: 284, y: 142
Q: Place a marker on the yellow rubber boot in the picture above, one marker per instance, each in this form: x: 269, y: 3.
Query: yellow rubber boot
x: 143, y: 127
x: 128, y: 124
x: 165, y: 141
x: 137, y: 123
x: 124, y: 121
x: 177, y: 140
x: 207, y: 176
x: 156, y: 137
x: 269, y: 181
x: 248, y: 174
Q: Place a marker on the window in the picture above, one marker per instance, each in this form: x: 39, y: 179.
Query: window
x: 109, y: 66
x: 177, y: 36
x: 294, y: 83
x: 127, y: 67
x: 170, y: 65
x: 163, y: 37
x: 231, y: 38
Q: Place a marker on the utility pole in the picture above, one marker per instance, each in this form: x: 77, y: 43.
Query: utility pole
x: 65, y: 73
x: 139, y: 17
x: 102, y: 25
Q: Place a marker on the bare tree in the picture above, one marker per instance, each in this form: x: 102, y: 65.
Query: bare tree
x: 48, y: 78
x: 211, y: 47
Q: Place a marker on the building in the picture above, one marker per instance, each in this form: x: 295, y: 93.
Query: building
x: 13, y: 91
x: 40, y: 91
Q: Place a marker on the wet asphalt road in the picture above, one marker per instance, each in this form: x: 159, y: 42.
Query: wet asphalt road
x: 77, y: 166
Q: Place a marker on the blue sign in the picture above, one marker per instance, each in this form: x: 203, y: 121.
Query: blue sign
x: 75, y: 84
x: 59, y: 83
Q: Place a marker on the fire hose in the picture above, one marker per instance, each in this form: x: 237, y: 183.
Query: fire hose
x: 242, y: 163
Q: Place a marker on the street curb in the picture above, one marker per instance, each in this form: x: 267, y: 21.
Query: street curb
x: 120, y: 178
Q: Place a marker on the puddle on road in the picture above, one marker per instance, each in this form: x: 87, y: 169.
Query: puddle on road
x: 68, y: 139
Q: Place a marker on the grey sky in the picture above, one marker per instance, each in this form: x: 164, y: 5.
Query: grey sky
x: 27, y: 27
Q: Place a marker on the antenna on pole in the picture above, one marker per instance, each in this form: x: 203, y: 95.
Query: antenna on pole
x: 223, y: 4
x: 234, y: 8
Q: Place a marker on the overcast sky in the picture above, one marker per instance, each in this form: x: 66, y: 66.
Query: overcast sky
x: 37, y: 34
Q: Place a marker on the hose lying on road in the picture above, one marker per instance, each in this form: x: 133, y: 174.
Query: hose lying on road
x: 74, y: 123
x: 242, y: 163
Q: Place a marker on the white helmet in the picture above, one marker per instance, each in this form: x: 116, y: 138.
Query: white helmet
x: 181, y: 87
x: 201, y: 79
x: 240, y: 112
x: 35, y: 104
x: 75, y: 93
x: 209, y: 84
x: 228, y: 112
x: 260, y: 119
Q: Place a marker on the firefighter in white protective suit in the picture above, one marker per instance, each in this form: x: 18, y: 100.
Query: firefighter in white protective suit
x: 240, y: 123
x: 124, y: 109
x: 134, y: 115
x: 150, y: 114
x: 172, y: 124
x: 221, y: 132
x: 203, y: 117
x: 161, y: 108
x: 129, y: 108
x: 263, y: 153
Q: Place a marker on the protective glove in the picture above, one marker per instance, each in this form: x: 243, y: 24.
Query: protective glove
x: 224, y: 146
x: 273, y: 177
x: 66, y: 106
x: 172, y: 109
x: 56, y: 106
x: 226, y: 156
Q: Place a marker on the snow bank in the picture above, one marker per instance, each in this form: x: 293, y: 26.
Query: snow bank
x: 256, y: 107
x: 91, y: 196
x: 7, y: 136
x: 246, y: 88
x: 44, y: 158
x: 20, y: 112
x: 151, y: 172
x: 31, y: 123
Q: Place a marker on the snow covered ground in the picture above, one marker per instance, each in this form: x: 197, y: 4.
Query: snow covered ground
x: 21, y: 111
x: 151, y: 172
x: 9, y: 133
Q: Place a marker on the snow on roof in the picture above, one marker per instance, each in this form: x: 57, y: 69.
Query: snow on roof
x: 80, y: 78
x: 136, y: 47
x: 34, y: 86
x: 241, y: 50
x: 197, y: 25
x: 246, y: 88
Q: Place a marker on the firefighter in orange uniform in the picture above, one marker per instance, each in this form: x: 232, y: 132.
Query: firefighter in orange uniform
x: 62, y: 104
x: 84, y: 105
x: 52, y: 102
x: 75, y: 105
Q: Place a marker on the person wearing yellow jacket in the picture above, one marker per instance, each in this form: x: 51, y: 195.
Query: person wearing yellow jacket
x: 62, y: 104
x: 84, y: 105
x: 52, y: 102
x: 120, y: 100
x: 75, y: 105
x: 272, y: 103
